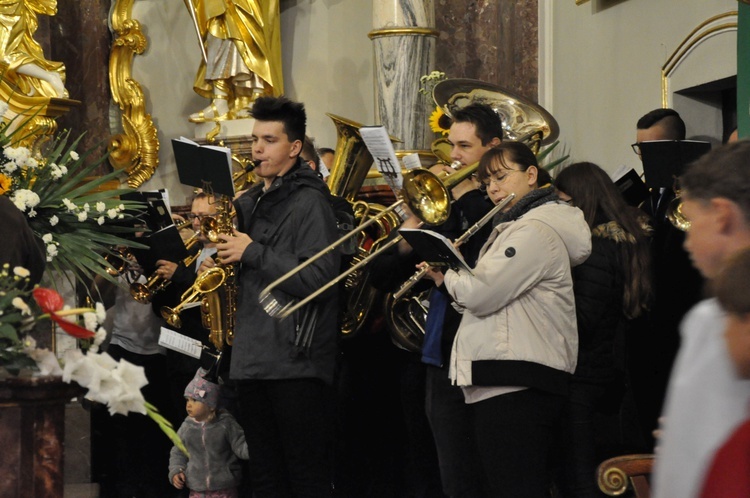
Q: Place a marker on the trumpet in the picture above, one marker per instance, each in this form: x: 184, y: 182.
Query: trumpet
x: 206, y: 282
x: 144, y: 293
x: 427, y: 196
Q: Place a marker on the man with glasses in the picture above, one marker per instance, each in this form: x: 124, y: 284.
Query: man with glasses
x: 475, y: 129
x: 677, y: 285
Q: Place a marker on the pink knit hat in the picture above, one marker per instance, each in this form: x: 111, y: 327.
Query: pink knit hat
x: 202, y: 390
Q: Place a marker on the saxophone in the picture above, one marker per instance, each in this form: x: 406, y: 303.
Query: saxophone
x: 219, y: 306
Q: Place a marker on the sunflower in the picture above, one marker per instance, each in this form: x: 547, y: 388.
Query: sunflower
x: 5, y: 184
x: 439, y: 121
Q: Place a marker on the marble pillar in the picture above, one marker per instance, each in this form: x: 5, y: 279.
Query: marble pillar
x: 404, y: 42
x: 79, y: 37
x: 490, y: 40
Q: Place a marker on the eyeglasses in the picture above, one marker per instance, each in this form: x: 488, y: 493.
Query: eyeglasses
x: 199, y: 217
x: 499, y: 179
x: 636, y: 148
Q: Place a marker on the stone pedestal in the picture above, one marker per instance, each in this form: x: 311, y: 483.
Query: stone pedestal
x: 32, y: 429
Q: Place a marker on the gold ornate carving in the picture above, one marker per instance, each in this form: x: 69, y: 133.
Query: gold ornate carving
x: 702, y: 32
x: 36, y: 115
x: 136, y: 149
x: 414, y: 31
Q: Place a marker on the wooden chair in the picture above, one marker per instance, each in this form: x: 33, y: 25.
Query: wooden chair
x: 616, y: 475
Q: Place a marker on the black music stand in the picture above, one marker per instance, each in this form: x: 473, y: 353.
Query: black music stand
x: 665, y: 160
x: 208, y: 167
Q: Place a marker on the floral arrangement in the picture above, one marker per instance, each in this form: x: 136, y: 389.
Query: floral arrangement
x: 73, y: 215
x: 439, y: 121
x: 114, y: 384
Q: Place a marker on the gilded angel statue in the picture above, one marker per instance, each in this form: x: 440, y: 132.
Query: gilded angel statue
x: 241, y: 46
x: 27, y: 68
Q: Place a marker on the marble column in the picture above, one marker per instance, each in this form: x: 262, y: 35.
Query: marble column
x: 490, y: 40
x: 404, y: 41
x: 79, y: 37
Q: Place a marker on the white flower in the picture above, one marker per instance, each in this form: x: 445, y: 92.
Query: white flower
x: 21, y: 271
x: 56, y: 171
x: 89, y: 321
x: 32, y: 213
x: 24, y: 198
x: 47, y: 238
x: 46, y: 361
x: 82, y: 216
x: 86, y: 207
x: 21, y: 305
x: 101, y: 220
x: 100, y: 335
x: 101, y: 312
x: 31, y: 163
x: 69, y: 204
x: 101, y: 207
x: 121, y: 207
x: 74, y: 155
x: 112, y: 213
x: 120, y: 216
x: 51, y: 251
x: 53, y: 220
x: 10, y: 166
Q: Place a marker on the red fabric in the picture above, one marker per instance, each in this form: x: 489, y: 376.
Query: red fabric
x: 729, y: 476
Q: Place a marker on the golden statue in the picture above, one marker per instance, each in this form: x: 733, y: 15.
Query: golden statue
x: 27, y: 69
x: 242, y: 55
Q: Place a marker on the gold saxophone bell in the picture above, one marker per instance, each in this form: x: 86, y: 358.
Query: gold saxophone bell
x: 206, y: 282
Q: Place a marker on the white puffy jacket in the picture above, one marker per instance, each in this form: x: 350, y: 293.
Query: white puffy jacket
x: 519, y: 321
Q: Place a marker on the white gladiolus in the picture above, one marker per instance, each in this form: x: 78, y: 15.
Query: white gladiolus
x: 82, y: 216
x: 100, y: 220
x: 47, y: 238
x: 101, y: 207
x: 112, y: 213
x: 89, y: 321
x: 54, y: 220
x: 101, y: 312
x: 74, y: 155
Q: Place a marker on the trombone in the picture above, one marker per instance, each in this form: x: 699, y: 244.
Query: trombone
x: 428, y: 197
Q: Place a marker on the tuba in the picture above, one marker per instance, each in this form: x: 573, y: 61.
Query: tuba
x: 523, y: 121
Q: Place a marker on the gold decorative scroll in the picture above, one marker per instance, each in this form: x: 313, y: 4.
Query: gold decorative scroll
x: 708, y: 28
x: 136, y: 149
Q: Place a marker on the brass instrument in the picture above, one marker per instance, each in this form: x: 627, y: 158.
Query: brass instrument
x: 427, y: 196
x: 117, y: 261
x: 674, y: 213
x: 523, y: 121
x: 405, y: 313
x: 206, y: 282
x: 144, y: 293
x: 219, y: 306
x: 216, y: 287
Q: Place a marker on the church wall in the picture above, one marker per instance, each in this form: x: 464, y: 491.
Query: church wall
x: 600, y: 67
x: 327, y: 64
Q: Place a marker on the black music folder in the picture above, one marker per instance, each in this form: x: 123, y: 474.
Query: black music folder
x: 434, y: 248
x: 204, y: 166
x: 157, y: 214
x: 665, y: 160
x: 163, y: 244
x: 632, y: 188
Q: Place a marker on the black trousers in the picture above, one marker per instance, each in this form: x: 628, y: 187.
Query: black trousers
x: 450, y: 421
x: 288, y: 427
x: 515, y: 434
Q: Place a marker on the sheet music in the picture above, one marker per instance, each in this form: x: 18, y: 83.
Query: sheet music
x: 180, y: 343
x: 379, y: 144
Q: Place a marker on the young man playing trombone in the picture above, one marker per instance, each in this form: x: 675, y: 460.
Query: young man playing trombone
x: 283, y: 368
x: 476, y: 128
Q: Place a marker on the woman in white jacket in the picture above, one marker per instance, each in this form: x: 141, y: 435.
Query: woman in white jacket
x: 517, y: 343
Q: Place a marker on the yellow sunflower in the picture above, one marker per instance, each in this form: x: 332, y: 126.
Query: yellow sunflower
x: 5, y: 184
x: 439, y: 121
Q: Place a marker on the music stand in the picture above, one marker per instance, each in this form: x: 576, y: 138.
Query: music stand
x: 207, y: 167
x: 665, y: 160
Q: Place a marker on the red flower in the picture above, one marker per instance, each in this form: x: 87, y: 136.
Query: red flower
x: 48, y: 299
x: 50, y: 302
